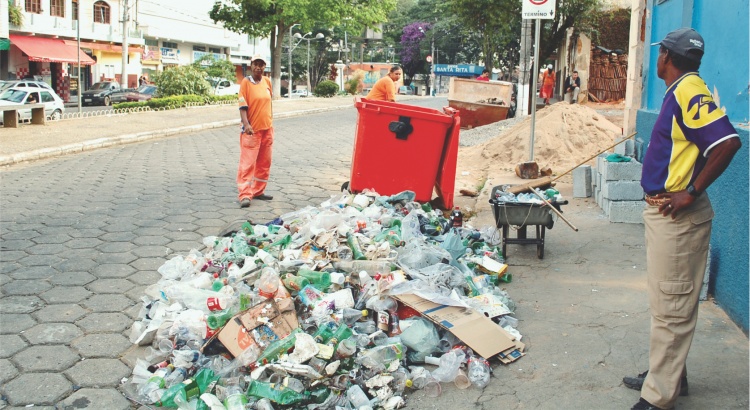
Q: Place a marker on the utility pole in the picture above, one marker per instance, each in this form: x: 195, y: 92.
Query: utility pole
x: 124, y: 73
x: 522, y: 95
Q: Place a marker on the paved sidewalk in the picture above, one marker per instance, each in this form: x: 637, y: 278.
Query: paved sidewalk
x: 31, y: 142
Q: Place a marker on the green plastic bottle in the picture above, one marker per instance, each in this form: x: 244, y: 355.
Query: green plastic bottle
x: 319, y: 280
x: 247, y: 227
x: 323, y: 334
x: 281, y: 243
x: 354, y: 246
x: 220, y: 318
x: 343, y: 332
x: 277, y: 348
x: 294, y: 283
x: 185, y: 391
x: 276, y: 393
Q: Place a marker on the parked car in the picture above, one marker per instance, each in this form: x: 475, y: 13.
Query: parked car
x: 24, y: 83
x: 104, y: 93
x: 53, y: 105
x: 405, y: 90
x: 298, y: 93
x: 222, y: 86
x: 143, y: 93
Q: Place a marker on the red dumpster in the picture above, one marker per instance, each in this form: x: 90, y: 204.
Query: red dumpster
x: 402, y: 147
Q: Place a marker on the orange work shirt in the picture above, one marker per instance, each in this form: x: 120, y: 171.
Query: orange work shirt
x: 257, y: 97
x: 383, y: 90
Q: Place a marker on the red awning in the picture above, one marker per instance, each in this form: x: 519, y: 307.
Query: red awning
x: 112, y: 48
x: 49, y: 50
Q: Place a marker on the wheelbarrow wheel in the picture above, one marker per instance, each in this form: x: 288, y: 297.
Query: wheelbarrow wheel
x: 345, y: 187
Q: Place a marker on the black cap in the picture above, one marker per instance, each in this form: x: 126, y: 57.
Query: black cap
x: 682, y: 41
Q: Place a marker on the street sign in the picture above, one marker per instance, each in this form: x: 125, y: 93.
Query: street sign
x: 538, y: 9
x: 429, y: 59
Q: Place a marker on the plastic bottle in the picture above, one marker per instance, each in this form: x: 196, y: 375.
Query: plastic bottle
x: 320, y: 280
x: 236, y: 399
x: 178, y: 375
x: 385, y: 308
x: 449, y: 365
x: 200, y: 299
x: 352, y: 316
x: 277, y: 348
x: 378, y: 356
x: 341, y: 333
x: 346, y: 348
x: 218, y: 319
x: 324, y: 333
x: 479, y: 372
x: 357, y: 397
x: 268, y: 284
x: 277, y: 394
x: 185, y: 391
x: 294, y: 283
x: 457, y: 217
x: 353, y: 243
x: 154, y: 383
x: 366, y: 327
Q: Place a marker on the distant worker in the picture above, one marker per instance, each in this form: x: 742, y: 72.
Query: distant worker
x: 572, y: 88
x: 256, y: 138
x: 692, y: 143
x: 31, y: 99
x: 485, y: 76
x: 385, y: 88
x: 548, y: 84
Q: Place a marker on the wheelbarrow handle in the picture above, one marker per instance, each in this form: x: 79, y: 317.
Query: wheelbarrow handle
x: 546, y: 202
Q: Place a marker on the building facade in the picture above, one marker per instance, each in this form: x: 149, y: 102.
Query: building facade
x: 159, y: 34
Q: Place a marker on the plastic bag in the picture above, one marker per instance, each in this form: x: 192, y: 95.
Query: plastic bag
x: 420, y: 337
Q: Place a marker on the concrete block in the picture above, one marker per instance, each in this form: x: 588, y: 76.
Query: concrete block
x: 605, y: 206
x: 622, y: 190
x: 598, y: 196
x: 621, y: 171
x: 582, y: 182
x: 630, y: 212
x: 600, y: 160
x: 626, y: 148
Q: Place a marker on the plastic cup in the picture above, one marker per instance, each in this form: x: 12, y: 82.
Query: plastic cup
x: 462, y: 381
x: 432, y: 388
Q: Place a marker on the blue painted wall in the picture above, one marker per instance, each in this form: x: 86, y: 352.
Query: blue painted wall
x: 726, y: 70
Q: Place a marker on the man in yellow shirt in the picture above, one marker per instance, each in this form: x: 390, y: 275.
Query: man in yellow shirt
x: 385, y: 88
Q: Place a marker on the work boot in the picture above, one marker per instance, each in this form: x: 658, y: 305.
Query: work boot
x: 636, y: 383
x: 644, y: 405
x: 244, y: 202
x: 263, y: 197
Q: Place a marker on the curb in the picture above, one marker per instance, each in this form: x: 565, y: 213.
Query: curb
x: 89, y: 145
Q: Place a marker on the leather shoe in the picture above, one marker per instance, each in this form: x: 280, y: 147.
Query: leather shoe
x: 636, y: 383
x: 644, y: 405
x: 263, y: 197
x: 244, y: 202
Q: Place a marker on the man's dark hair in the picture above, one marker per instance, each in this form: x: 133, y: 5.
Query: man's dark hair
x: 395, y: 68
x: 575, y: 71
x: 682, y: 63
x: 485, y: 71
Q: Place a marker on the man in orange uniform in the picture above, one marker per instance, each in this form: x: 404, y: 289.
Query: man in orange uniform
x: 256, y: 138
x: 385, y: 88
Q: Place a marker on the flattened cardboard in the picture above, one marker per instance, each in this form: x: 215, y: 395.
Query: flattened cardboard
x: 478, y: 332
x: 260, y: 314
x: 235, y: 337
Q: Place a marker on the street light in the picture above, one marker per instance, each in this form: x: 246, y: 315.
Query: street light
x: 291, y: 81
x: 318, y: 36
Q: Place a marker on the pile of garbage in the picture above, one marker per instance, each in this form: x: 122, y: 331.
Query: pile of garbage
x: 348, y: 305
x: 493, y: 101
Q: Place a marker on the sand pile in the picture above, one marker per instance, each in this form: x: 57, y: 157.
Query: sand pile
x: 565, y: 135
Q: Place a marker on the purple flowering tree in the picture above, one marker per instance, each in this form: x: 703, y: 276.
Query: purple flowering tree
x: 412, y: 59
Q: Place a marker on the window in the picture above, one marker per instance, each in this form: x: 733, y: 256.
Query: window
x: 168, y: 44
x: 214, y: 50
x: 47, y: 97
x: 57, y: 8
x: 151, y: 42
x: 34, y: 6
x: 101, y: 12
x: 75, y: 10
x: 199, y: 48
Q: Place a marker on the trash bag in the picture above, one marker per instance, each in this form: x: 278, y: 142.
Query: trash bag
x: 420, y: 337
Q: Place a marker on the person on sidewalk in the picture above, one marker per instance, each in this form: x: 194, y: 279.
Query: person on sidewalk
x: 572, y: 88
x: 548, y: 84
x: 385, y: 88
x: 692, y: 143
x: 485, y: 76
x: 256, y: 137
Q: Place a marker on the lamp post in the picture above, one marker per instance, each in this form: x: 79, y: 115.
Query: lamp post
x: 318, y: 36
x: 291, y: 81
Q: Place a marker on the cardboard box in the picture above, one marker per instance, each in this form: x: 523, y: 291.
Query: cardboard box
x: 478, y: 332
x: 235, y: 337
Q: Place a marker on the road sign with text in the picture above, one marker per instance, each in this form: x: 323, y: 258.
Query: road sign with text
x: 539, y: 9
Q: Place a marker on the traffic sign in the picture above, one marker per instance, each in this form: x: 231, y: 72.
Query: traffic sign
x: 538, y: 9
x: 429, y: 59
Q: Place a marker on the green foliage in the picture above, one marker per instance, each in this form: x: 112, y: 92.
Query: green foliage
x: 326, y: 88
x: 611, y: 29
x: 216, y: 68
x: 177, y: 101
x: 15, y: 16
x: 355, y: 84
x: 181, y: 80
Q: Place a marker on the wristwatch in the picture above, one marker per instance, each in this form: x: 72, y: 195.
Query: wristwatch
x: 693, y: 192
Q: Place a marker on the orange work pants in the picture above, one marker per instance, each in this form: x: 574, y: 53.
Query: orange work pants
x: 255, y: 163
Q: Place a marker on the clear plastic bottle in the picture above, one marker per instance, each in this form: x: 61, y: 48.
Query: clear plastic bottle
x: 357, y: 397
x: 268, y: 284
x: 449, y: 365
x: 386, y: 308
x: 178, y: 375
x: 479, y: 372
x: 236, y: 399
x: 154, y: 383
x: 379, y: 356
x: 352, y: 316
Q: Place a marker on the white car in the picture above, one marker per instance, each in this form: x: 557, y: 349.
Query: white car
x: 222, y: 86
x: 24, y: 83
x: 53, y: 105
x: 301, y: 93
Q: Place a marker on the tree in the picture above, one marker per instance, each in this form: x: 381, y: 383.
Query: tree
x: 181, y: 80
x: 274, y: 19
x: 412, y: 59
x: 570, y: 13
x: 216, y: 68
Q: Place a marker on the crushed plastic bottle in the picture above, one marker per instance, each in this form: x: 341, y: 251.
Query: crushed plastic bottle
x: 479, y: 372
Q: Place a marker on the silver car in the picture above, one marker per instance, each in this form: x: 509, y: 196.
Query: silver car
x: 53, y: 105
x: 24, y: 83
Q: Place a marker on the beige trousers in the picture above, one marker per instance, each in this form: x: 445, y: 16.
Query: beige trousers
x: 676, y: 253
